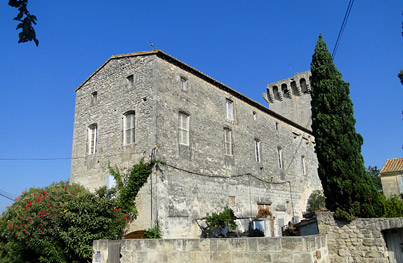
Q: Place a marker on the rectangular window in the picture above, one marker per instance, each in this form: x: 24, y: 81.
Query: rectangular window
x: 257, y: 150
x: 92, y: 139
x: 183, y: 128
x: 129, y: 128
x: 94, y: 98
x: 183, y: 83
x: 303, y: 165
x: 280, y: 158
x: 254, y: 115
x: 130, y: 81
x: 230, y: 110
x: 228, y: 141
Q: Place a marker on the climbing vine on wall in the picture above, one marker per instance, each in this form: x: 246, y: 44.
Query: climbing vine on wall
x: 129, y: 184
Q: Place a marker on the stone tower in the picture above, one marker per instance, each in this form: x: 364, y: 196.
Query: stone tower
x: 291, y: 98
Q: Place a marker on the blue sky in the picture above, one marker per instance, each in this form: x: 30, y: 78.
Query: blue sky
x: 244, y: 44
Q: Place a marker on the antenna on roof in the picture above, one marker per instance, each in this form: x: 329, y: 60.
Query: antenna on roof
x: 152, y: 45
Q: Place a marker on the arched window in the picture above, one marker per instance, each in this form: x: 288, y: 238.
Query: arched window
x: 275, y: 93
x: 285, y: 91
x: 304, y: 88
x: 129, y: 119
x: 294, y: 89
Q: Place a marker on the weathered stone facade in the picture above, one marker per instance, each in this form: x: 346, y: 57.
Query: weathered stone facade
x: 229, y: 250
x: 360, y: 241
x: 211, y: 163
x: 392, y: 177
x: 291, y: 98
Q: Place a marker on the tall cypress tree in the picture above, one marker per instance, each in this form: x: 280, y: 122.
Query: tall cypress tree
x: 348, y: 187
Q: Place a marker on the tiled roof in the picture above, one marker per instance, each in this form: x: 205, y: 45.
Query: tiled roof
x: 393, y: 165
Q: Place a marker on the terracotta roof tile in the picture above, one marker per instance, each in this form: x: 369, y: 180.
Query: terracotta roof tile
x: 392, y: 165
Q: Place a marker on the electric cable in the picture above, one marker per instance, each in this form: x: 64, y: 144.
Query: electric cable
x: 343, y: 25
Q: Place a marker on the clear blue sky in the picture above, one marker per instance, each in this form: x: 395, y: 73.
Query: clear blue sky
x: 244, y: 44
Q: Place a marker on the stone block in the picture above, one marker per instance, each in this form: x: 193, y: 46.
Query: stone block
x: 166, y: 245
x: 291, y: 244
x: 221, y: 256
x: 171, y: 257
x: 269, y: 244
x: 138, y: 245
x: 374, y: 254
x: 303, y: 258
x: 126, y: 245
x: 257, y: 257
x: 222, y: 244
x: 191, y: 245
x: 252, y: 244
x: 281, y: 258
x: 198, y: 256
x: 150, y: 244
x: 238, y: 257
x: 237, y: 244
x: 103, y: 245
x: 204, y: 244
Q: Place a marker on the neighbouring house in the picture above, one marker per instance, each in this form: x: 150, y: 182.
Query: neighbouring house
x: 220, y: 148
x: 392, y: 177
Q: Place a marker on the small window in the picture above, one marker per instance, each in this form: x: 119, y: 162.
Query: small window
x: 230, y: 110
x: 304, y: 87
x: 129, y: 128
x: 284, y: 89
x: 130, y: 81
x: 257, y: 150
x: 303, y: 165
x: 294, y: 89
x: 277, y: 126
x: 280, y: 157
x: 183, y: 83
x: 228, y: 141
x: 183, y: 128
x: 94, y: 98
x: 276, y: 94
x: 92, y: 139
x: 254, y: 115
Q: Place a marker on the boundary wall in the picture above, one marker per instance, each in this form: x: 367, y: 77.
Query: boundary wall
x: 221, y: 250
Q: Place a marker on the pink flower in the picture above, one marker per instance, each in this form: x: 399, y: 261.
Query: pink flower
x: 65, y: 188
x: 10, y: 225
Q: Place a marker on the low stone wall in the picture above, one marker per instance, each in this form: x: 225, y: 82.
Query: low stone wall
x: 261, y: 249
x: 359, y: 241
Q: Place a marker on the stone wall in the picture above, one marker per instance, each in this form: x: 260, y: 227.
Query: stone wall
x: 249, y: 250
x: 291, y: 98
x: 359, y: 241
x: 200, y: 177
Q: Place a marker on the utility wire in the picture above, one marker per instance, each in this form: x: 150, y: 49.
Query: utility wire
x: 6, y: 195
x: 343, y: 25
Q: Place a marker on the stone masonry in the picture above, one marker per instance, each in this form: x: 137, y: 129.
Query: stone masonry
x: 236, y: 153
x: 229, y: 250
x: 360, y: 241
x: 291, y: 98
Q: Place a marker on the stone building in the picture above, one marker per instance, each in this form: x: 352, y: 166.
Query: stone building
x: 392, y: 177
x: 291, y: 98
x: 220, y: 147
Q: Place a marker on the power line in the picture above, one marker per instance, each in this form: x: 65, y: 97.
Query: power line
x: 6, y: 195
x: 343, y: 25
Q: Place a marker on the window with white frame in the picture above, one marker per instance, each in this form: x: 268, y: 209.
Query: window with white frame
x: 230, y: 110
x: 92, y: 139
x: 280, y: 157
x: 183, y: 83
x: 228, y: 141
x: 183, y: 128
x: 257, y: 150
x: 303, y: 165
x: 129, y: 128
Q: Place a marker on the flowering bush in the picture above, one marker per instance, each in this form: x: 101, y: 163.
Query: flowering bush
x: 58, y: 224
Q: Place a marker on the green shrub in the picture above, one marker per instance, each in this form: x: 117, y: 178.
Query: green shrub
x: 220, y: 219
x: 153, y: 233
x: 316, y: 201
x: 393, y: 207
x: 58, y: 224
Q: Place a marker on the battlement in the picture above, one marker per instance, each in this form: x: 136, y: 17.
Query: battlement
x: 291, y: 98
